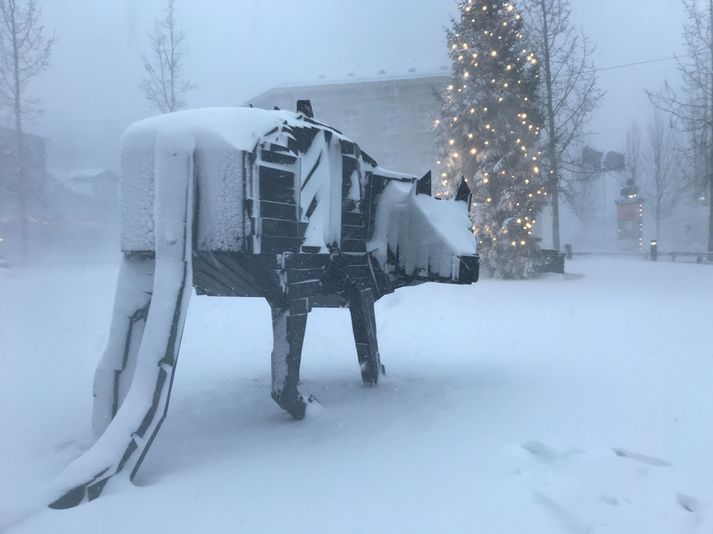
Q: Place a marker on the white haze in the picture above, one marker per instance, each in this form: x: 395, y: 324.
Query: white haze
x: 576, y: 403
x: 239, y: 49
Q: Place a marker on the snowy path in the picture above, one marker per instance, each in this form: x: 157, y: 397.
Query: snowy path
x: 553, y: 406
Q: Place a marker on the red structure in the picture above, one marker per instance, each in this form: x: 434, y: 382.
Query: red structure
x: 630, y: 219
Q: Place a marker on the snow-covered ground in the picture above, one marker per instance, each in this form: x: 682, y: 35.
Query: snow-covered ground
x: 575, y: 405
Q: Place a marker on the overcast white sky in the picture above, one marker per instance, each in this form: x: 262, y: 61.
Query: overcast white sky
x: 239, y: 48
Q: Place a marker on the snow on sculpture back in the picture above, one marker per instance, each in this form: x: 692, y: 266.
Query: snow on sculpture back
x: 249, y: 202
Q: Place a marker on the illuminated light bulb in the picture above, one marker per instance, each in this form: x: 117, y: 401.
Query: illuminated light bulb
x: 488, y: 199
x: 473, y: 151
x: 493, y: 53
x: 536, y: 170
x: 470, y: 136
x: 451, y: 142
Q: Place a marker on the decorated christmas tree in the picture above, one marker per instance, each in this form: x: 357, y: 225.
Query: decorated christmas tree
x: 489, y: 133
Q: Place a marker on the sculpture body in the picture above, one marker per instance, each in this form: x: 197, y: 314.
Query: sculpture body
x: 249, y: 202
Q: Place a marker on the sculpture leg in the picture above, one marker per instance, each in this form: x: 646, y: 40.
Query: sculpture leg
x: 361, y: 308
x: 125, y: 442
x: 115, y: 371
x: 288, y: 333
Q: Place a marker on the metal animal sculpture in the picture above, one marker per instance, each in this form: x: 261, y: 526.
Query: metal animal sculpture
x: 249, y: 202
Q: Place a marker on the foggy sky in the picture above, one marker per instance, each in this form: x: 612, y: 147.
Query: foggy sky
x: 239, y: 48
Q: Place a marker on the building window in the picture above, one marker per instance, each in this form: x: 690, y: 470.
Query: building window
x: 388, y: 120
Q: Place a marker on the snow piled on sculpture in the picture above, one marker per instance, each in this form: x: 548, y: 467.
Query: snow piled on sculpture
x: 410, y: 225
x: 221, y: 132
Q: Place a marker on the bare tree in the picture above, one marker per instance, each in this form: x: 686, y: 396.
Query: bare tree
x: 579, y: 192
x: 569, y: 92
x: 164, y: 85
x: 25, y: 51
x: 691, y: 105
x: 633, y: 152
x: 662, y: 183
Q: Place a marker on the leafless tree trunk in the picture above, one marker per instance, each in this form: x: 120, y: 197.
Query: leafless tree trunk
x: 663, y: 179
x: 569, y: 91
x: 633, y: 152
x: 579, y: 192
x: 164, y: 85
x: 691, y: 105
x: 24, y: 53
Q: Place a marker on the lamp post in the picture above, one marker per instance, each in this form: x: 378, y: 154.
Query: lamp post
x: 653, y: 250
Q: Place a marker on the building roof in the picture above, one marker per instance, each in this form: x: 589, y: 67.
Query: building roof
x: 354, y: 82
x: 11, y: 131
x: 80, y: 180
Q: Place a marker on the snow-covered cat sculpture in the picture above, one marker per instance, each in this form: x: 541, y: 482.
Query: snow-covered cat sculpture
x: 250, y: 202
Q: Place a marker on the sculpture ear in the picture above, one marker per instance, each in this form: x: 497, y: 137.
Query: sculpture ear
x: 463, y: 192
x: 423, y: 186
x: 305, y: 107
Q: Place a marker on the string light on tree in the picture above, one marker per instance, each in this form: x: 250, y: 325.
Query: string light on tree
x: 491, y: 135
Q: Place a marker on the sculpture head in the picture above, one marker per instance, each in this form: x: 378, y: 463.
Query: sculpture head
x: 418, y: 238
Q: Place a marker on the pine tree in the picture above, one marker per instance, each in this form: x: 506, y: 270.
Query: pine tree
x: 489, y: 132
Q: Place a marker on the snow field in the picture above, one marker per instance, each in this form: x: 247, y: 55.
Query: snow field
x: 575, y: 405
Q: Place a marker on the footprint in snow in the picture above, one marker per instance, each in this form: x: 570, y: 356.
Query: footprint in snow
x: 547, y: 454
x: 641, y: 458
x: 688, y: 503
x: 563, y: 517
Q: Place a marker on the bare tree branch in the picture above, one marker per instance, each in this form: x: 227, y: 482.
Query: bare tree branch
x: 691, y: 105
x: 569, y: 94
x: 24, y: 53
x: 662, y: 182
x: 164, y: 85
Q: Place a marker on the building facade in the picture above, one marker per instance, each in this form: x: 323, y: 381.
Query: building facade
x: 392, y: 118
